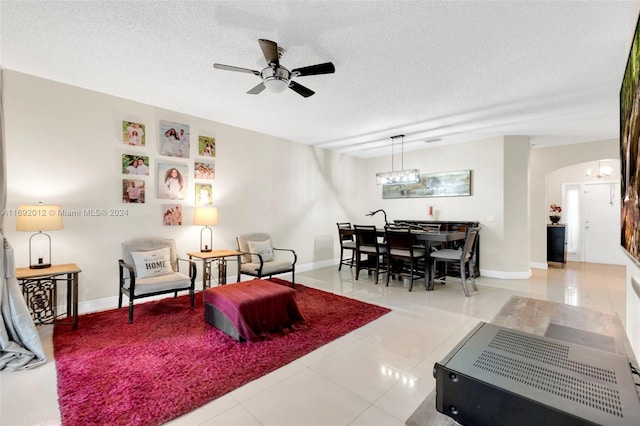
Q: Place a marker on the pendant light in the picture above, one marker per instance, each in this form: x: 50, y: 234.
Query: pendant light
x: 398, y: 176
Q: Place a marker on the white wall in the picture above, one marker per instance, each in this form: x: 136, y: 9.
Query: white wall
x: 545, y: 161
x: 486, y: 160
x: 64, y: 146
x: 576, y: 174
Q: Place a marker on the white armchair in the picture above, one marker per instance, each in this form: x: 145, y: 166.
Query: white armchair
x: 149, y: 267
x: 260, y: 259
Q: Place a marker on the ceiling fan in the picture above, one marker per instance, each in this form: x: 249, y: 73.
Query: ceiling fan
x: 276, y: 77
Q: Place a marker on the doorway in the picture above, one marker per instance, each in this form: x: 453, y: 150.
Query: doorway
x: 593, y: 222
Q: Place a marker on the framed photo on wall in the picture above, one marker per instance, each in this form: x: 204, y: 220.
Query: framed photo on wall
x: 173, y: 180
x: 135, y: 164
x: 206, y: 146
x: 174, y: 139
x: 204, y: 194
x: 133, y: 133
x: 172, y: 215
x: 132, y: 191
x: 205, y: 170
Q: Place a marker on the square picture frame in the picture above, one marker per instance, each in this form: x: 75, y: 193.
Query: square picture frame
x: 133, y: 191
x: 204, y: 169
x: 133, y: 133
x: 172, y: 215
x: 173, y: 140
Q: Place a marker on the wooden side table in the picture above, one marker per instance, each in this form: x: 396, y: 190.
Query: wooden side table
x: 221, y: 257
x: 40, y: 290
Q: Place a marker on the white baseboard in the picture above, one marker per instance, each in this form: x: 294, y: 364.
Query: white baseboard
x: 316, y: 265
x: 112, y: 302
x: 538, y: 265
x: 506, y: 275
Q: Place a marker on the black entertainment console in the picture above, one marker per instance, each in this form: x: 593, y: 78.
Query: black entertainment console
x: 499, y: 376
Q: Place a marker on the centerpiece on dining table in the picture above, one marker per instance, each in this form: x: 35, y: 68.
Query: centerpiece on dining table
x: 555, y: 213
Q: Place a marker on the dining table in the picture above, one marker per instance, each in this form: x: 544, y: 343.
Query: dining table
x: 429, y: 238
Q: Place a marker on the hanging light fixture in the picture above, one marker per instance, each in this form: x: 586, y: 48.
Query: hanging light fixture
x: 603, y: 171
x: 398, y: 176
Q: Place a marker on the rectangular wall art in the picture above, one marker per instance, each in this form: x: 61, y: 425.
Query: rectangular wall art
x: 172, y: 181
x: 443, y: 184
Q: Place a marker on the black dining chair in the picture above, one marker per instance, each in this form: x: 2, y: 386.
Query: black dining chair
x: 404, y: 257
x: 367, y: 244
x: 346, y: 236
x: 465, y: 258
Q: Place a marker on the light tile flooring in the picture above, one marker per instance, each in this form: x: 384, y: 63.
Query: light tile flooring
x: 376, y: 375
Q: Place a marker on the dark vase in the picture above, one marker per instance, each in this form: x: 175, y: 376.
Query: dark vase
x: 554, y: 219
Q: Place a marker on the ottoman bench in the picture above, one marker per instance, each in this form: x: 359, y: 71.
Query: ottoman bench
x: 250, y: 310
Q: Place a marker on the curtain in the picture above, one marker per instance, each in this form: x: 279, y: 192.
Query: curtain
x: 20, y: 344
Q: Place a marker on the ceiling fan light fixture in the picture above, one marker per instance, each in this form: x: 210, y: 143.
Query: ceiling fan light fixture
x: 276, y: 79
x: 276, y: 85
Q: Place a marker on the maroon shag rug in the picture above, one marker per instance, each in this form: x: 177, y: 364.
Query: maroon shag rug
x: 169, y: 361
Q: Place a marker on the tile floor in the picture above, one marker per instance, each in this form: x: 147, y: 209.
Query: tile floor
x: 376, y: 375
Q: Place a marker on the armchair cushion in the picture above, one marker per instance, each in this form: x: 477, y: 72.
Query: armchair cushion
x: 268, y: 268
x: 263, y: 248
x: 159, y: 283
x: 152, y: 263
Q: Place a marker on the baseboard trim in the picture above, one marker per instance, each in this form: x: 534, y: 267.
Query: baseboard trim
x: 112, y: 302
x: 505, y: 275
x: 539, y: 265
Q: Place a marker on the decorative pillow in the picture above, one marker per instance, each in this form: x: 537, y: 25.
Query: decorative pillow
x: 263, y: 248
x: 152, y: 263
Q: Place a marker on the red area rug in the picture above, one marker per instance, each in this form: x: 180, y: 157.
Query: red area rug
x: 169, y: 361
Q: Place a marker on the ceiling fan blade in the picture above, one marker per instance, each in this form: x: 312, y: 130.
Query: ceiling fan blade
x: 270, y: 51
x: 300, y: 89
x: 259, y: 88
x: 237, y: 69
x: 326, y: 68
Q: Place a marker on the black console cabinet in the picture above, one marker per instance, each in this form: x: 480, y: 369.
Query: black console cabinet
x: 557, y: 243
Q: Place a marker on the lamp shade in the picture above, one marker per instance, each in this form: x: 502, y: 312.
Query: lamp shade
x: 205, y: 216
x: 39, y: 218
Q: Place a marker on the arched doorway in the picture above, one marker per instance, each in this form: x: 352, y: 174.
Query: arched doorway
x: 591, y: 209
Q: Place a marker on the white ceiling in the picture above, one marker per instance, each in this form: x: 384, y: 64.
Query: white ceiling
x: 456, y: 70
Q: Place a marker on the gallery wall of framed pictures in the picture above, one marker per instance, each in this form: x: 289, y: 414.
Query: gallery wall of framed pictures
x: 169, y: 168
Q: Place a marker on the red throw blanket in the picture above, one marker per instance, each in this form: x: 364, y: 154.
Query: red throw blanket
x: 256, y: 307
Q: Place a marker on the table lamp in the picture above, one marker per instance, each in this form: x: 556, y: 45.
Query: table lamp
x: 37, y: 219
x: 206, y: 216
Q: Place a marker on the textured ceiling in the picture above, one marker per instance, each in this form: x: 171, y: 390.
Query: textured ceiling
x: 455, y: 70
